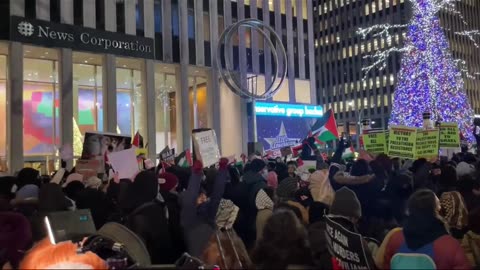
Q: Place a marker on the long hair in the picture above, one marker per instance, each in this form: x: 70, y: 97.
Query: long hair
x: 61, y: 256
x: 283, y: 243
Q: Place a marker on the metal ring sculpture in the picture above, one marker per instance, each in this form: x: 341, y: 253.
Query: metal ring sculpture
x: 228, y: 75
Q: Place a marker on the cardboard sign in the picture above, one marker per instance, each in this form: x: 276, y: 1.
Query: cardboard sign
x: 167, y: 155
x: 124, y: 163
x: 402, y: 142
x: 375, y: 141
x: 426, y: 145
x: 96, y: 145
x: 88, y: 167
x: 345, y: 246
x: 206, y: 147
x: 449, y: 135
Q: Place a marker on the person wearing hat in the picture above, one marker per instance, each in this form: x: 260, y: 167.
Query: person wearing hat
x: 198, y: 211
x: 168, y: 190
x: 254, y: 180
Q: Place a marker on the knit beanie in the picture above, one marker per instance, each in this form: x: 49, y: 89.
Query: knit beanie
x: 257, y: 165
x: 287, y: 188
x: 346, y: 204
x: 167, y: 181
x: 27, y: 192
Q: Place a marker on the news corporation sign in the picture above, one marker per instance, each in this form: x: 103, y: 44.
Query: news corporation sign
x: 49, y: 34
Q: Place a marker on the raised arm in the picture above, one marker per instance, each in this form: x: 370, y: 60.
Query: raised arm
x: 218, y: 190
x: 190, y: 195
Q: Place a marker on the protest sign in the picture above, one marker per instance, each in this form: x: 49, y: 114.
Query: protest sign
x: 141, y: 152
x: 124, y: 163
x: 375, y: 141
x: 167, y: 155
x: 449, y: 135
x: 206, y: 147
x: 96, y: 145
x: 88, y: 167
x: 345, y: 246
x: 426, y: 145
x: 402, y: 142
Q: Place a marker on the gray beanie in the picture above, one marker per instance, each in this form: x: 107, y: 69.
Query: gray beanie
x: 346, y: 204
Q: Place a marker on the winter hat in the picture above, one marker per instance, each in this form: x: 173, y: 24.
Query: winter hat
x: 320, y: 187
x: 454, y: 210
x: 464, y: 168
x: 272, y: 179
x: 167, y: 181
x: 93, y: 182
x: 287, y: 188
x: 27, y: 192
x: 15, y: 236
x: 346, y: 204
x: 73, y: 177
x: 257, y: 165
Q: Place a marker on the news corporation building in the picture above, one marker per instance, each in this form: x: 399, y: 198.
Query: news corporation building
x: 68, y: 67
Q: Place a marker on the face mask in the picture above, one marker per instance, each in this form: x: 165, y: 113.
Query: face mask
x: 265, y: 174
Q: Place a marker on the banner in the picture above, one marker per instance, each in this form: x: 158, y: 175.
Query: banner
x: 375, y: 141
x: 426, y: 145
x: 206, y: 147
x: 449, y: 135
x: 88, y: 167
x: 402, y: 142
x: 97, y: 145
x: 345, y: 246
x: 124, y: 163
x: 167, y: 155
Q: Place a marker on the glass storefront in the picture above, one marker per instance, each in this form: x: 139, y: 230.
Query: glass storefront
x: 41, y: 122
x: 165, y: 126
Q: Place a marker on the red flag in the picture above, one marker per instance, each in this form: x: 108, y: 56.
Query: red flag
x: 137, y: 140
x: 300, y: 162
x: 188, y: 156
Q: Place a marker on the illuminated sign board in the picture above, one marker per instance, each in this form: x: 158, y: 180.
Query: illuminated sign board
x: 288, y: 110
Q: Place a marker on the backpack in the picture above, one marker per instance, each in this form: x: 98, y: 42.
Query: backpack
x: 406, y: 258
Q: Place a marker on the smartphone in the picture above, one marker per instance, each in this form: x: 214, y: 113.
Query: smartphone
x: 69, y: 225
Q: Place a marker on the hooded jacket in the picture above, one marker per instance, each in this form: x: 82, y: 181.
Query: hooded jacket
x: 420, y: 231
x: 198, y: 222
x: 320, y: 187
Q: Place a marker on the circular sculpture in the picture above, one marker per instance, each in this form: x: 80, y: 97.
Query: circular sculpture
x: 228, y: 73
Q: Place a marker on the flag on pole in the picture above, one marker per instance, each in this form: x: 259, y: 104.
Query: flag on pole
x: 325, y: 129
x: 137, y: 140
x: 348, y: 153
x: 184, y: 159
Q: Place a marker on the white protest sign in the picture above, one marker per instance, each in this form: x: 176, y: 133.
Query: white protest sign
x: 124, y: 163
x: 206, y: 147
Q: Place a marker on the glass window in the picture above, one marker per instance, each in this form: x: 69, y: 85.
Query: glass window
x: 131, y: 97
x: 41, y: 129
x: 3, y: 105
x: 87, y: 97
x: 165, y: 126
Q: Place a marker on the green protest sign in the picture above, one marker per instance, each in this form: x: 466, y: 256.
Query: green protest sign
x: 427, y: 143
x: 375, y: 141
x: 449, y: 135
x: 402, y: 142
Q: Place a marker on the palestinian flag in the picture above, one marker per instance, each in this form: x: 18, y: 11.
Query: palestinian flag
x: 348, y: 153
x: 184, y: 159
x: 325, y: 129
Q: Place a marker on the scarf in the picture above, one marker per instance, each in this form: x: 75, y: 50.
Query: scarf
x: 422, y: 229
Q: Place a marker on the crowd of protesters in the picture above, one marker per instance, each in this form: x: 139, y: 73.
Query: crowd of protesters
x: 274, y: 212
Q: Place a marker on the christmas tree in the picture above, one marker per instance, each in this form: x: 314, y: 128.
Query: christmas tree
x: 430, y: 79
x: 77, y: 140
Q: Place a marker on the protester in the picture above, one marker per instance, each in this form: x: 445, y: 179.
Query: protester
x: 471, y: 240
x: 292, y: 168
x: 198, y: 211
x: 15, y: 238
x: 283, y: 244
x: 455, y: 213
x: 425, y: 234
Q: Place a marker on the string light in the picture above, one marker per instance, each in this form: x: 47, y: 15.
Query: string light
x: 430, y: 79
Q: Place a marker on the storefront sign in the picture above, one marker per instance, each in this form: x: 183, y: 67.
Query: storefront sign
x: 289, y: 110
x: 449, y: 135
x: 49, y: 34
x: 206, y: 147
x: 426, y: 145
x: 375, y: 141
x: 345, y: 246
x: 402, y: 142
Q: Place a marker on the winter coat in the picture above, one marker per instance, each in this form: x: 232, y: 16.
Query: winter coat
x: 448, y: 254
x: 262, y: 217
x: 198, y: 222
x: 318, y: 244
x: 471, y: 246
x: 173, y: 206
